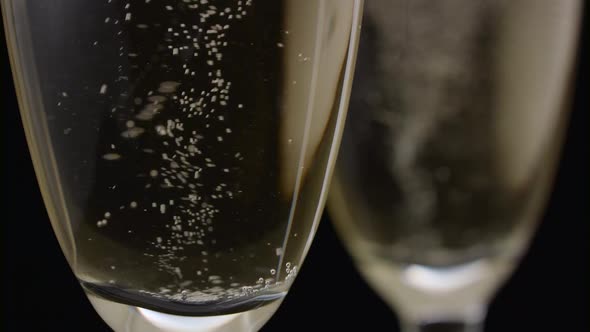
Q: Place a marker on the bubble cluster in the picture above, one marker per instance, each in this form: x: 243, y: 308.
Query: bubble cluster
x: 191, y: 49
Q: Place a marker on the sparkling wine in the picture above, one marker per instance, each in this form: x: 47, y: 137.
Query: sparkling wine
x: 442, y: 161
x: 191, y: 142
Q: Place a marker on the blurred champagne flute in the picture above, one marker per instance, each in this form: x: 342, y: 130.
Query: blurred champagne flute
x: 456, y: 118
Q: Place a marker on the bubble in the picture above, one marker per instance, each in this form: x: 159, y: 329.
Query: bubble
x: 157, y: 99
x: 168, y: 87
x: 133, y: 132
x: 176, y: 162
x: 111, y: 156
x: 184, y: 294
x: 191, y: 148
x: 161, y: 130
x: 145, y: 115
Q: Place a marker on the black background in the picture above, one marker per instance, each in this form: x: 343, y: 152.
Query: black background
x: 548, y: 291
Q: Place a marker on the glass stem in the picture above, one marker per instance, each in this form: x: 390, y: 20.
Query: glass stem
x: 442, y: 326
x: 455, y: 314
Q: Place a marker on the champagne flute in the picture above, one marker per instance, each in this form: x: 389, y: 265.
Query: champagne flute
x: 183, y: 148
x: 455, y: 121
